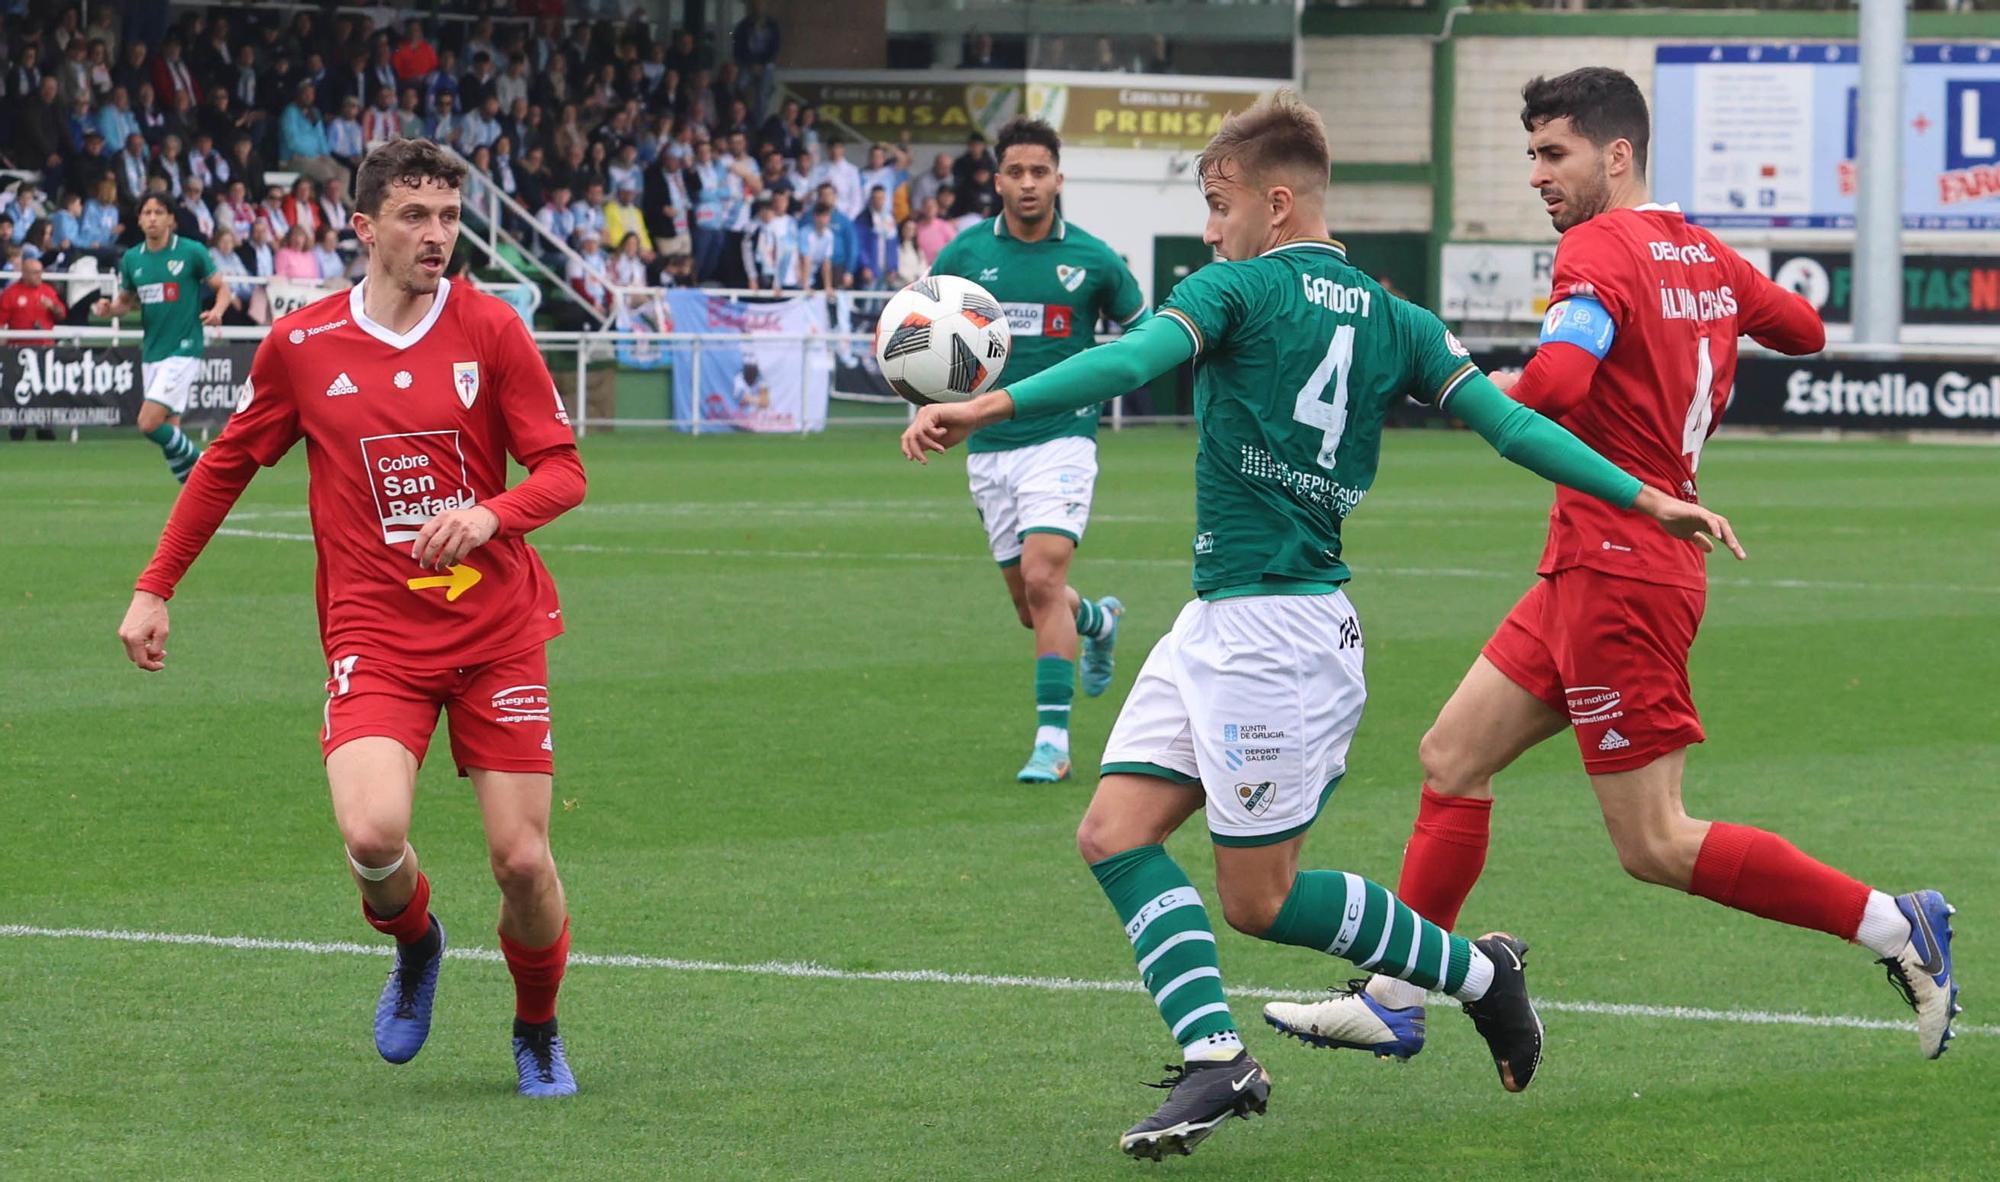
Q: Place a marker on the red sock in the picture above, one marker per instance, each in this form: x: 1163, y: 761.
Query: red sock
x: 411, y: 923
x: 1447, y: 851
x: 538, y: 973
x: 1762, y: 873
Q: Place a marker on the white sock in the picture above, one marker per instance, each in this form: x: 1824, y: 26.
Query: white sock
x: 1054, y: 736
x: 1401, y: 995
x: 1224, y: 1046
x: 1884, y: 931
x: 1478, y: 978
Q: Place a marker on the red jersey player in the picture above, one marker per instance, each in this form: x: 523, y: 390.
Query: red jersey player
x: 1638, y: 358
x: 411, y: 392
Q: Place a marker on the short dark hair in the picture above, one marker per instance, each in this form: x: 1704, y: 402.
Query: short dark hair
x: 402, y: 162
x: 1602, y: 104
x: 154, y: 197
x: 1027, y: 132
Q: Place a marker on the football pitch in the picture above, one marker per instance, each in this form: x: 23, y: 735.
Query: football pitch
x: 821, y: 932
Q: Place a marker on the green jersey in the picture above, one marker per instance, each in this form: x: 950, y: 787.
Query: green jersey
x: 1301, y: 356
x: 168, y: 283
x: 1054, y: 292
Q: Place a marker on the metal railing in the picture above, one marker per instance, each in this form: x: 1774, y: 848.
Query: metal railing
x: 496, y: 200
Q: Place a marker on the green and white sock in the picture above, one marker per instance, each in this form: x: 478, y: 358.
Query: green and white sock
x: 1055, y: 687
x: 1348, y: 916
x: 1092, y: 621
x: 180, y: 452
x: 1175, y: 947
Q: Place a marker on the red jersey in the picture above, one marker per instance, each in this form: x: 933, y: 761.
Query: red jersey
x: 23, y: 307
x: 400, y: 428
x: 1659, y: 303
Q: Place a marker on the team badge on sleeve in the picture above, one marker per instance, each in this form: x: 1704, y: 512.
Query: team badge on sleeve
x: 465, y: 379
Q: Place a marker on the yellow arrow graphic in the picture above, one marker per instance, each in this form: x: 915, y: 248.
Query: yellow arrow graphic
x: 456, y: 581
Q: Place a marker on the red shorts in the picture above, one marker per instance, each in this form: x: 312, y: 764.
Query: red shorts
x: 499, y: 711
x: 1612, y: 654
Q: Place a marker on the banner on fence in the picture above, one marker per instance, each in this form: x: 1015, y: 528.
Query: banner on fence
x: 102, y: 386
x: 1937, y: 288
x: 1914, y: 394
x: 1509, y: 281
x: 751, y: 383
x: 287, y: 297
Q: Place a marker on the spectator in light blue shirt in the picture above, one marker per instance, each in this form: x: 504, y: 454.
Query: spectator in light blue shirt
x: 482, y: 126
x: 68, y: 223
x: 344, y: 141
x: 115, y: 118
x: 101, y: 224
x: 302, y: 138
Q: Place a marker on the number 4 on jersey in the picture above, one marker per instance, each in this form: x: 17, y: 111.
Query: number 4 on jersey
x: 1328, y: 417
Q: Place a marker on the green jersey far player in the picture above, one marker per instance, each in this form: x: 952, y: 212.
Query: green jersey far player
x: 1032, y: 476
x: 1249, y: 704
x: 162, y: 277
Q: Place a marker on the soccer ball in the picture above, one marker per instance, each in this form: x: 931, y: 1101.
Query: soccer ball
x: 942, y: 339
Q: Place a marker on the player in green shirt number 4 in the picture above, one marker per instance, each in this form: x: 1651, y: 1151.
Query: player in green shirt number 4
x: 1248, y: 705
x: 1032, y: 476
x: 162, y: 277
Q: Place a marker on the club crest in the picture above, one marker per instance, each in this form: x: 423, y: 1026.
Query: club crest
x: 465, y: 380
x: 174, y: 266
x: 1070, y: 277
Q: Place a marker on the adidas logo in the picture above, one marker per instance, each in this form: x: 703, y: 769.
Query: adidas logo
x: 1612, y: 741
x: 341, y: 385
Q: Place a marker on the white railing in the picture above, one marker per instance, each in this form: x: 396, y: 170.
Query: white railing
x: 495, y: 200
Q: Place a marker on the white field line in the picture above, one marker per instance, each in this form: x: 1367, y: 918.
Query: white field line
x: 1365, y: 572
x: 809, y: 970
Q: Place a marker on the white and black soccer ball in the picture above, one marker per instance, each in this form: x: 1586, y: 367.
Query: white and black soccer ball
x: 942, y: 339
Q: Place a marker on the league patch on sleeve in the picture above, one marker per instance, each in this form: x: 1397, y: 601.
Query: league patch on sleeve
x: 1581, y: 321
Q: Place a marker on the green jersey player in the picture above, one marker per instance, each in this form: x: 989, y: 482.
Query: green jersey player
x: 1249, y: 704
x: 1032, y: 476
x: 163, y: 277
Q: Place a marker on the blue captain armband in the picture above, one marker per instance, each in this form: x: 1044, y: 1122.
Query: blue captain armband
x: 1581, y: 321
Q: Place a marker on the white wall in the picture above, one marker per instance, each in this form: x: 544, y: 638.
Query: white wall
x: 1126, y: 197
x: 1490, y: 194
x: 1375, y: 95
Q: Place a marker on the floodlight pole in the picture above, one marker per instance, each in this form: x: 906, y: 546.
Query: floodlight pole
x: 1878, y: 222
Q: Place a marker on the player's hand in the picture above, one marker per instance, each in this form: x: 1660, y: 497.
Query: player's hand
x: 1504, y: 378
x: 1690, y: 523
x: 144, y: 632
x: 944, y: 425
x: 101, y: 308
x: 213, y: 317
x: 452, y: 535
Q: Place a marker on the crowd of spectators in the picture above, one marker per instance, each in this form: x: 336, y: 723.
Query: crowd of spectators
x: 654, y: 159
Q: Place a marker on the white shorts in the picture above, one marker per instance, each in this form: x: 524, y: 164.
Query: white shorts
x: 1041, y: 488
x: 169, y: 382
x: 1257, y: 697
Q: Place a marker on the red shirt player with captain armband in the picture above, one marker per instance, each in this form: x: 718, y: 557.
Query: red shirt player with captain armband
x: 411, y: 392
x: 1637, y: 359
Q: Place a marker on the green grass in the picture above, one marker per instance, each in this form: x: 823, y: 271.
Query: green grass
x: 788, y: 712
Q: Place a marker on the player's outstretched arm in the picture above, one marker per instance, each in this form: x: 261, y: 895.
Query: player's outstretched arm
x: 1546, y: 449
x: 211, y: 491
x: 1777, y: 318
x: 1090, y: 377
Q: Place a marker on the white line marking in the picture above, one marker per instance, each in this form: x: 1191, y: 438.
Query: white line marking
x: 809, y: 970
x: 1364, y: 572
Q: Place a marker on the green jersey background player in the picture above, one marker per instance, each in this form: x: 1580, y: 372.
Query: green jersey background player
x: 162, y: 277
x: 1032, y: 476
x: 1249, y: 704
